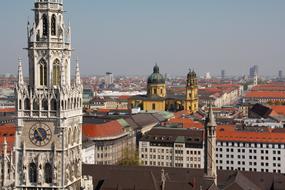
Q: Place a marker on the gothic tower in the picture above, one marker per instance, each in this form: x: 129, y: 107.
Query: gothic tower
x: 191, y: 99
x: 49, y: 107
x: 210, y: 167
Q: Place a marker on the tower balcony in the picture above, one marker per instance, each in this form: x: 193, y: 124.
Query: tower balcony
x: 38, y: 114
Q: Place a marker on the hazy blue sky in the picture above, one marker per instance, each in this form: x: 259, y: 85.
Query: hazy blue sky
x: 129, y: 36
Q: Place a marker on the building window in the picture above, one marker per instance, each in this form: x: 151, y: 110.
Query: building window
x: 48, y: 173
x: 56, y: 72
x: 44, y: 104
x: 45, y: 25
x: 43, y: 73
x: 27, y: 104
x: 20, y: 104
x: 33, y: 173
x: 53, y: 105
x: 53, y: 25
x: 35, y: 105
x: 153, y: 106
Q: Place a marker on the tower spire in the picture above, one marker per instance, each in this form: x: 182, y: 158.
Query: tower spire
x: 20, y: 73
x: 210, y: 167
x: 77, y: 73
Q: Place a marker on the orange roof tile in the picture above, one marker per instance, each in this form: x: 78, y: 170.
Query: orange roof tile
x: 228, y: 133
x: 278, y: 109
x: 265, y: 94
x: 2, y: 110
x: 110, y: 129
x: 7, y: 130
x: 187, y: 123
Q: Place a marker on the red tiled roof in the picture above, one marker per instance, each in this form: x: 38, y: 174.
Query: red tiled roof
x: 123, y: 97
x: 181, y: 113
x: 278, y: 109
x: 265, y: 94
x: 110, y: 129
x: 228, y: 133
x: 7, y: 131
x: 102, y: 110
x: 187, y: 123
x: 7, y: 110
x: 276, y: 86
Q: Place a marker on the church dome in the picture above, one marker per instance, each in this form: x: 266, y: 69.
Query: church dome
x: 156, y: 77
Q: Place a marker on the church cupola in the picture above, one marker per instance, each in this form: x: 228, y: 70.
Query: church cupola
x: 156, y: 77
x: 156, y: 84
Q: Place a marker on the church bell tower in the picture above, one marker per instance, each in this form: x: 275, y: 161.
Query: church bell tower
x: 49, y: 107
x: 191, y: 99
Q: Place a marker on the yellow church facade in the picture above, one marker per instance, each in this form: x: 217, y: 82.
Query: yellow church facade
x: 157, y: 98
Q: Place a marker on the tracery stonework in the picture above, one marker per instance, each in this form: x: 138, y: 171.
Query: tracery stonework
x: 49, y: 107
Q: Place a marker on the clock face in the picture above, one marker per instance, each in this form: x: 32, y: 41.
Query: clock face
x: 40, y: 134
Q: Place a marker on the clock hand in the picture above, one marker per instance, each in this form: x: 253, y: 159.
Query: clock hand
x: 37, y: 130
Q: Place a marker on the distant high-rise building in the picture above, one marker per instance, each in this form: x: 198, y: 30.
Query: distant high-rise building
x: 280, y: 74
x: 208, y: 75
x: 253, y: 71
x: 223, y: 74
x: 109, y: 79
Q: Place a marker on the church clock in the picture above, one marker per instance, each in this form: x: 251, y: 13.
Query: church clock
x: 49, y: 106
x: 40, y: 134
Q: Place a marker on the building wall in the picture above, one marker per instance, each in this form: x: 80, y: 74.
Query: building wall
x: 154, y: 105
x: 175, y: 156
x: 260, y: 157
x: 156, y: 90
x: 108, y: 152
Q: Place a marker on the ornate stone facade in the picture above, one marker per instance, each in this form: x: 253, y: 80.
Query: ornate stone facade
x: 49, y: 109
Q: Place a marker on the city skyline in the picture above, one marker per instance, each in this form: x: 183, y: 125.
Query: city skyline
x: 129, y: 37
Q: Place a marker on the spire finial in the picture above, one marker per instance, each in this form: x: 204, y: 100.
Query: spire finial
x: 211, y: 121
x: 5, y: 141
x: 20, y: 72
x: 156, y: 68
x: 77, y: 73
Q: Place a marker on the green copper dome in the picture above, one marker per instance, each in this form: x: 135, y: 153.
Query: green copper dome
x: 156, y: 77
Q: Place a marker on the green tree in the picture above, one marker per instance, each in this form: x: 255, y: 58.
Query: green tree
x: 130, y: 158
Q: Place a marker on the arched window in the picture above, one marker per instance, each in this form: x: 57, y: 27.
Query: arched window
x: 36, y: 105
x: 33, y: 174
x: 53, y: 104
x: 75, y: 105
x: 75, y: 135
x: 44, y: 104
x: 20, y: 104
x: 69, y: 136
x: 53, y: 25
x: 48, y: 173
x: 43, y: 72
x: 65, y: 71
x: 56, y: 72
x: 62, y: 104
x: 27, y: 104
x: 45, y: 25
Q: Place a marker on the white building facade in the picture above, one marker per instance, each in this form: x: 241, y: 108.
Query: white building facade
x: 251, y: 156
x: 165, y: 148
